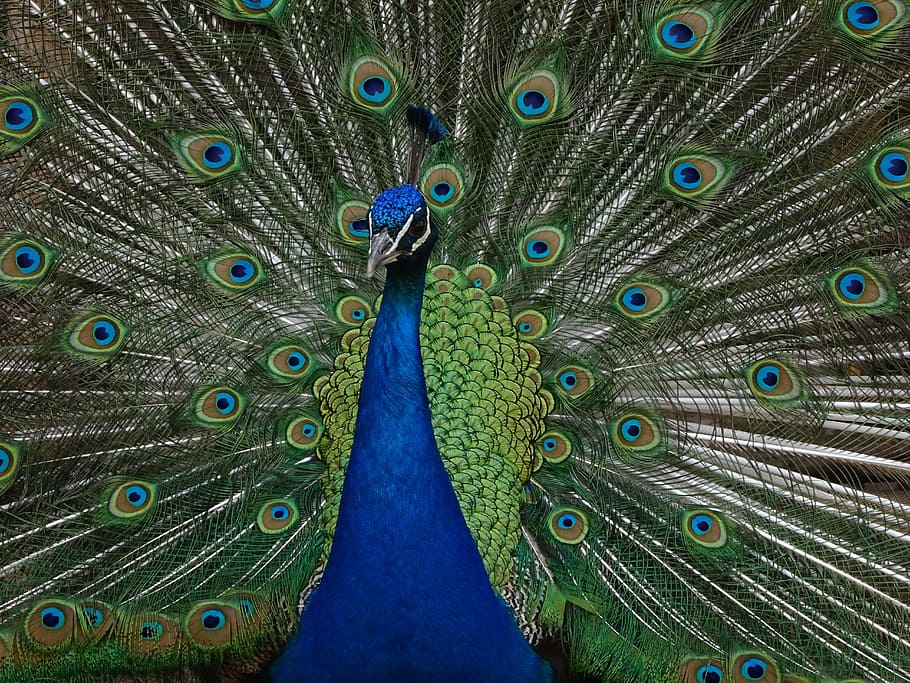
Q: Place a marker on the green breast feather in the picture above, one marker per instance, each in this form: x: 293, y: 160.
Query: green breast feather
x: 488, y: 403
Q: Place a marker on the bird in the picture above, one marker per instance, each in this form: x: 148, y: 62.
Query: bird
x: 540, y: 340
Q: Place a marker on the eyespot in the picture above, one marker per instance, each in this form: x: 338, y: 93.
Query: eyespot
x: 132, y: 499
x: 277, y: 516
x: 636, y: 433
x: 304, y: 433
x: 641, y: 300
x: 24, y: 262
x: 709, y: 674
x: 753, y: 667
x: 213, y: 624
x: 530, y: 324
x: 481, y: 276
x: 683, y: 34
x: 892, y: 169
x: 568, y: 525
x: 770, y: 379
x: 9, y: 463
x: 554, y: 446
x: 219, y: 406
x: 51, y: 623
x: 96, y: 622
x: 442, y: 185
x: 97, y: 336
x: 148, y: 633
x: 535, y: 98
x: 207, y: 156
x: 694, y: 176
x: 372, y: 83
x: 573, y: 381
x: 235, y: 272
x: 20, y: 119
x: 704, y: 528
x: 351, y: 218
x: 859, y: 288
x: 289, y: 361
x: 352, y: 310
x: 542, y: 247
x: 867, y: 19
x: 253, y: 10
x: 700, y: 670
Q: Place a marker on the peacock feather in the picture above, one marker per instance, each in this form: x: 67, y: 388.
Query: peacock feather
x: 599, y: 371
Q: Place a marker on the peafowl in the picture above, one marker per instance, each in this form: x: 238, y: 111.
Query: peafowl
x: 458, y: 340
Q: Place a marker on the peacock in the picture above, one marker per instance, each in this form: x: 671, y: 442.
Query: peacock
x: 459, y: 340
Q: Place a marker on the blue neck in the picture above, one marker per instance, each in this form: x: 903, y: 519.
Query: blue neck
x: 405, y: 595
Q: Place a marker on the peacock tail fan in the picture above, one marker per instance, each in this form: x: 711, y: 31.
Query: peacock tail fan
x: 665, y: 328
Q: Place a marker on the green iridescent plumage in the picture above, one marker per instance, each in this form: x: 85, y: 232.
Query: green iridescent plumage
x: 664, y: 328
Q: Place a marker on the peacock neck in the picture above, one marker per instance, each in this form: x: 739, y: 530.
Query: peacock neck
x: 405, y: 595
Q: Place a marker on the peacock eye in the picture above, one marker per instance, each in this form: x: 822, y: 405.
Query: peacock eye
x: 277, y: 516
x: 864, y: 20
x: 554, y: 447
x: 207, y: 155
x: 372, y: 83
x: 753, y: 667
x: 568, y: 525
x: 709, y: 674
x: 535, y: 97
x: 705, y: 528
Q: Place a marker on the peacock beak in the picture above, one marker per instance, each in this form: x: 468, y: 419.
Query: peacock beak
x: 382, y: 251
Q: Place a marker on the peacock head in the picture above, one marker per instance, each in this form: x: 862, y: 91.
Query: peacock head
x: 400, y: 229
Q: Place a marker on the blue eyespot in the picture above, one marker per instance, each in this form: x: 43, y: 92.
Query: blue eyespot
x: 524, y: 328
x: 358, y: 314
x: 213, y: 619
x: 754, y: 669
x: 19, y: 115
x: 631, y: 429
x: 217, y: 155
x: 635, y: 299
x: 567, y: 520
x: 53, y: 618
x: 137, y: 495
x: 709, y: 674
x: 537, y: 249
x: 863, y: 16
x: 442, y: 191
x: 296, y: 360
x: 852, y: 286
x: 242, y: 271
x: 767, y: 377
x: 6, y: 460
x: 94, y: 616
x: 894, y: 167
x: 280, y: 512
x: 678, y: 34
x: 309, y: 430
x: 225, y: 403
x: 375, y: 89
x: 151, y: 630
x: 359, y: 228
x: 568, y: 380
x: 247, y: 608
x: 28, y: 259
x: 532, y: 102
x: 701, y: 524
x: 257, y: 5
x: 549, y: 444
x: 687, y: 176
x: 104, y: 333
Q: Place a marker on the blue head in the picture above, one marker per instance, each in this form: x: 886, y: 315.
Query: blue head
x: 400, y: 229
